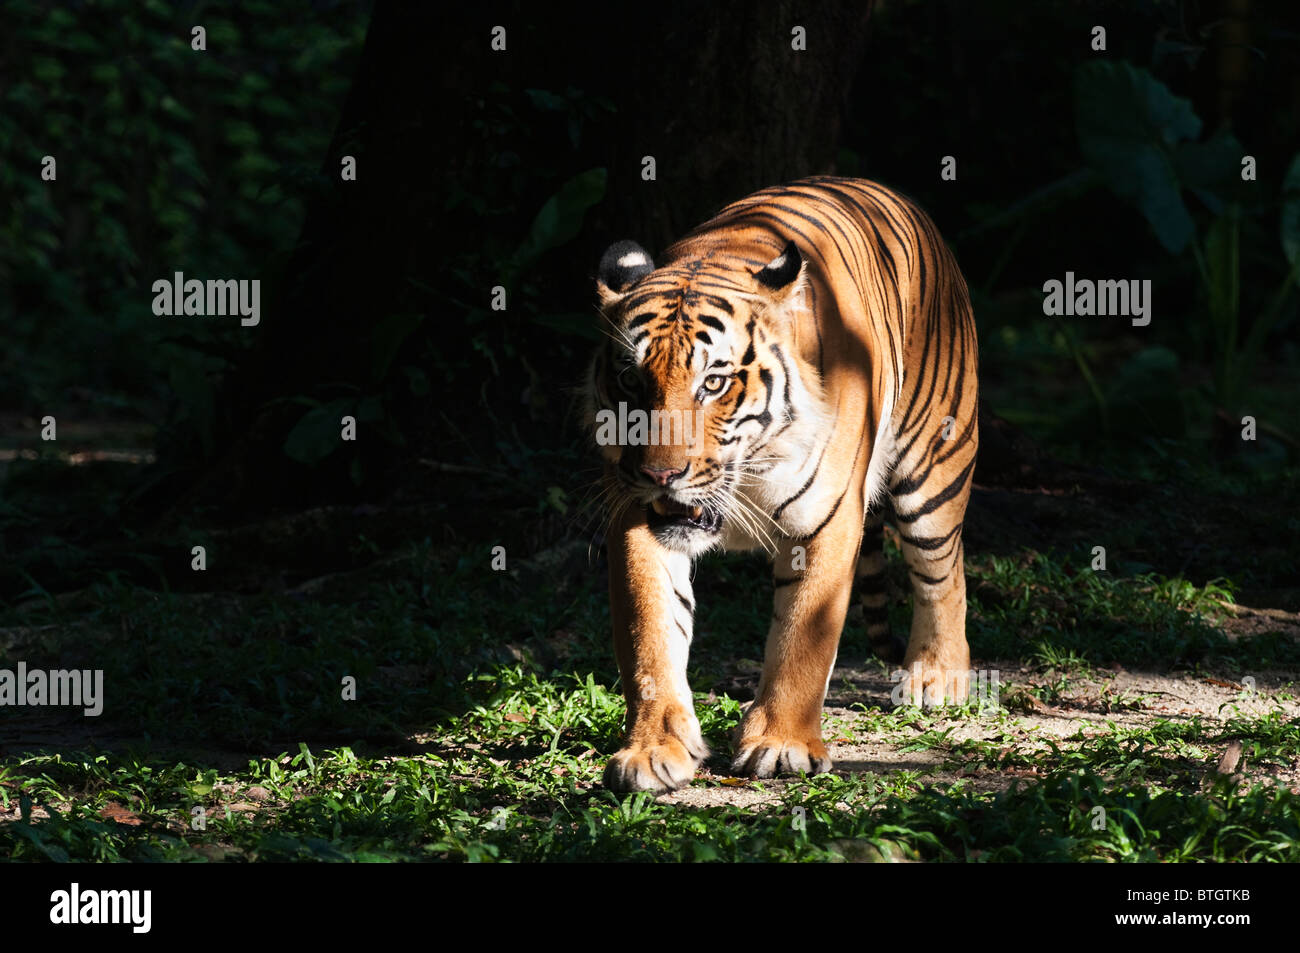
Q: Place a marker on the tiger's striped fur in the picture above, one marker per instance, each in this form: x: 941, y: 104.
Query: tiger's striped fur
x: 821, y: 333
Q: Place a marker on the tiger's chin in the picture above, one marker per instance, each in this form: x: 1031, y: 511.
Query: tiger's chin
x: 684, y: 528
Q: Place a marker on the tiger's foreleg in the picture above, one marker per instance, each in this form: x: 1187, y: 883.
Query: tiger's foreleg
x: 652, y: 609
x: 781, y: 732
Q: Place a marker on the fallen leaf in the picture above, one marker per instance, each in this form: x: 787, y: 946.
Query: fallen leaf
x: 1221, y: 683
x: 112, y: 811
x: 1228, y: 763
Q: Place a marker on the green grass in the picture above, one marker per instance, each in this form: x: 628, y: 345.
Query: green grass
x: 1067, y: 615
x: 487, y: 705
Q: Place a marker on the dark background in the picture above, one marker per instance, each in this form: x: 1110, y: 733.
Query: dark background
x: 480, y: 168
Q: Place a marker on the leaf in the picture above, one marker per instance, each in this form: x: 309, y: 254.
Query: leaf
x: 316, y: 435
x: 108, y: 192
x: 560, y: 218
x: 874, y: 851
x: 557, y: 499
x: 1211, y: 168
x: 703, y: 852
x: 241, y: 135
x: 1222, y: 268
x: 305, y: 752
x: 1128, y: 124
x: 47, y: 70
x: 173, y: 107
x: 387, y: 338
x: 33, y: 834
x: 112, y: 811
x: 417, y: 380
x: 545, y: 99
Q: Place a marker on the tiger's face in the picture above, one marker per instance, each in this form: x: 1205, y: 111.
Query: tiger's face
x: 696, y: 398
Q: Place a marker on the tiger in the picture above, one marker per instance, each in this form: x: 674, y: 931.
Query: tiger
x: 816, y: 341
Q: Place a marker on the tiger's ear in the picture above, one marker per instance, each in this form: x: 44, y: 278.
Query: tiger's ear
x: 780, y: 275
x: 780, y: 285
x: 622, y: 265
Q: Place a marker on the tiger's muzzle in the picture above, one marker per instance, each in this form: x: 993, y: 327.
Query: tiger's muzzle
x: 668, y: 514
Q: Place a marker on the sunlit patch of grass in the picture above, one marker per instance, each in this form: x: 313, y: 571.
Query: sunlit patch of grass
x: 486, y: 710
x: 1061, y: 614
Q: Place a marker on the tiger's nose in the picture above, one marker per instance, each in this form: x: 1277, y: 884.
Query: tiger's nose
x: 661, y: 476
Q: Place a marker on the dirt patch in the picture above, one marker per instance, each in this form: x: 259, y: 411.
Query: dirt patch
x: 1079, y: 708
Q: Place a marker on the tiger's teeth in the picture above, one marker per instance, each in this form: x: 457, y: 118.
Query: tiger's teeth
x: 659, y: 507
x: 696, y: 512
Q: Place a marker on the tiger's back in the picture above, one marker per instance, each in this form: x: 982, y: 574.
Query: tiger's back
x: 885, y: 299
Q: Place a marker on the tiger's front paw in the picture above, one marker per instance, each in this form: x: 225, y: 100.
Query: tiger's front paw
x: 661, y: 754
x: 766, y: 756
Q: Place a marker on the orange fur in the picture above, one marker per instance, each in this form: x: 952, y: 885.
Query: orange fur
x: 821, y: 333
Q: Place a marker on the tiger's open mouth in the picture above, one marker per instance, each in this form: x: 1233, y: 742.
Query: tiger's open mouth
x: 664, y: 512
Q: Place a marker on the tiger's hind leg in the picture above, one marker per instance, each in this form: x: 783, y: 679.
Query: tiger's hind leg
x: 930, y: 515
x: 873, y: 590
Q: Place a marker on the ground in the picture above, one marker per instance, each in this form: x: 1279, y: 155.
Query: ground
x: 1147, y: 710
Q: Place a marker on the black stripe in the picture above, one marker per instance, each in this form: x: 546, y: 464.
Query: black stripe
x: 872, y: 585
x: 748, y: 356
x: 948, y: 492
x: 852, y: 469
x: 829, y: 516
x: 764, y: 418
x: 930, y: 542
x: 803, y: 489
x: 785, y: 369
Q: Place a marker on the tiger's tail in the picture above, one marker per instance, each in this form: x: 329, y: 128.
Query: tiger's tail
x: 873, y: 590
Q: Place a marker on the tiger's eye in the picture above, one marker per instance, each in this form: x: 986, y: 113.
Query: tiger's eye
x: 714, y: 383
x: 629, y: 379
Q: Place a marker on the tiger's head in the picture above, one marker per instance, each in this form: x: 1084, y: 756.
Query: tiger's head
x: 700, y: 401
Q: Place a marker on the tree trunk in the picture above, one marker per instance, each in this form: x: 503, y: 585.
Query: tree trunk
x: 716, y: 93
